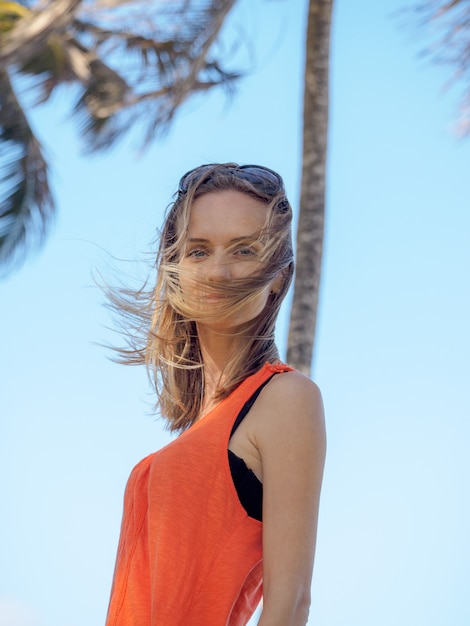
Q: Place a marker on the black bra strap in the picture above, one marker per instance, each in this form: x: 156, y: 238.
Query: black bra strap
x: 247, y: 406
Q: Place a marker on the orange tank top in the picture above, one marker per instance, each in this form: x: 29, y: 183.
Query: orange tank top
x: 189, y: 555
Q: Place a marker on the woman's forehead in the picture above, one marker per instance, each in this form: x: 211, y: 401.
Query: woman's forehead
x: 228, y: 214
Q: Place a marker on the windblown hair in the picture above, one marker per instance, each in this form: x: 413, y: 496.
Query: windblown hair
x: 161, y: 326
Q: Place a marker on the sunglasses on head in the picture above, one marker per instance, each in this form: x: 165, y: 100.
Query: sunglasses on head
x: 257, y: 175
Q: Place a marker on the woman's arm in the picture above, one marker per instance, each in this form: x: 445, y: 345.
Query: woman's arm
x: 290, y: 436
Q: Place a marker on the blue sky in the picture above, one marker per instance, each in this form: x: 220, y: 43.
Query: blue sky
x: 392, y: 354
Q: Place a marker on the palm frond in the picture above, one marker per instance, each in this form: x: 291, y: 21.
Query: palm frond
x: 31, y: 33
x: 447, y: 25
x: 26, y: 203
x: 163, y: 58
x: 36, y: 46
x: 135, y: 64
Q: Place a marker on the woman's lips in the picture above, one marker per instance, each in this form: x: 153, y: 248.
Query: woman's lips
x: 214, y: 297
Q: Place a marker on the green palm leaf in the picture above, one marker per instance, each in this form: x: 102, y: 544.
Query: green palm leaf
x: 26, y: 203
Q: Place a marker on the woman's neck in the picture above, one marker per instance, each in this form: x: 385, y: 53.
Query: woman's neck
x: 216, y: 352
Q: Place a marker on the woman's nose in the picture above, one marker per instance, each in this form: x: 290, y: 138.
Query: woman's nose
x: 217, y: 268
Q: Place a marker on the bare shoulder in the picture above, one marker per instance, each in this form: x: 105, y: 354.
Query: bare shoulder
x: 292, y: 399
x: 290, y: 384
x: 293, y: 390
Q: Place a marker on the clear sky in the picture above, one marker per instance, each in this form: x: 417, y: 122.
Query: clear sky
x: 392, y: 354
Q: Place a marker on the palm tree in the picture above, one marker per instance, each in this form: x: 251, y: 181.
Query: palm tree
x: 312, y: 194
x: 164, y: 53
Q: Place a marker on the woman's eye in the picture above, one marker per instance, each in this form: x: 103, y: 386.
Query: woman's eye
x: 197, y: 253
x: 246, y: 252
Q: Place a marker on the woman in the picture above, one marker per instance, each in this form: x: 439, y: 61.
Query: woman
x: 227, y: 512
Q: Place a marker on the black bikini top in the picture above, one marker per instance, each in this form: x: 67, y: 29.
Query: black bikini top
x: 249, y: 487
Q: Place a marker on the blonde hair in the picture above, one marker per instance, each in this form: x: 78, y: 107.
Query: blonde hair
x: 161, y: 328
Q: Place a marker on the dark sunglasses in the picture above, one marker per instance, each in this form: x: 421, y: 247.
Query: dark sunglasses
x: 268, y: 180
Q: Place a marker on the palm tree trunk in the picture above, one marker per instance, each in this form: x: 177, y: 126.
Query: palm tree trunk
x: 312, y: 196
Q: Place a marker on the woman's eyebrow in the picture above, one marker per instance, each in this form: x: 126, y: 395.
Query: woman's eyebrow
x: 252, y: 237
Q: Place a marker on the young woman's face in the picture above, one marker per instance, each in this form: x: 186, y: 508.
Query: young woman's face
x: 222, y: 245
